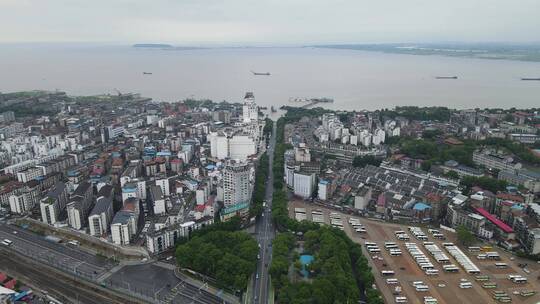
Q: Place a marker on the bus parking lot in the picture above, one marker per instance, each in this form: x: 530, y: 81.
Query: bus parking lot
x: 421, y: 264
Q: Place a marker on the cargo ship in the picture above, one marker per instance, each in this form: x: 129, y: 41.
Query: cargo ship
x: 446, y: 77
x: 147, y: 73
x: 261, y: 74
x: 316, y: 100
x: 526, y: 78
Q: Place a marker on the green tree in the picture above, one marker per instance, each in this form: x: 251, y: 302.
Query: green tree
x: 361, y: 161
x: 464, y: 235
x: 452, y: 174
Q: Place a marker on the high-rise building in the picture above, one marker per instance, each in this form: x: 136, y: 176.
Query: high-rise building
x: 250, y: 110
x: 236, y: 184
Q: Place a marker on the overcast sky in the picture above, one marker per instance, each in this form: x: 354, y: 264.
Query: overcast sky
x: 269, y: 21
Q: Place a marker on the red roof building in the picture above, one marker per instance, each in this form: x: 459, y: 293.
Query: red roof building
x: 493, y: 219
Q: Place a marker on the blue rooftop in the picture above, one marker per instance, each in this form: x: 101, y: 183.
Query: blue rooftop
x: 210, y: 167
x: 421, y: 206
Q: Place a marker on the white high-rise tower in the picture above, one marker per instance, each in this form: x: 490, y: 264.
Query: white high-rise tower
x: 236, y: 186
x: 250, y: 110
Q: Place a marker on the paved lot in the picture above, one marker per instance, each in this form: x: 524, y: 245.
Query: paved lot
x: 159, y: 284
x: 61, y: 256
x: 407, y: 271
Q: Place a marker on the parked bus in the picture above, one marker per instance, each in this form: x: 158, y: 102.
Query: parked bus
x: 387, y: 272
x: 395, y: 252
x: 474, y: 249
x: 422, y: 288
x: 450, y: 268
x: 465, y: 285
x: 432, y: 272
x: 401, y: 299
x: 519, y: 280
x: 391, y: 281
x: 486, y: 248
x: 501, y: 265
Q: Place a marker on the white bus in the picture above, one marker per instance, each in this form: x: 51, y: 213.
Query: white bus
x: 517, y: 279
x: 450, y: 268
x: 387, y: 272
x: 422, y: 288
x: 432, y: 272
x: 501, y: 265
x: 465, y: 285
x: 391, y: 281
x: 430, y: 300
x: 401, y: 299
x: 474, y: 249
x: 370, y: 243
x: 374, y: 250
x: 395, y: 252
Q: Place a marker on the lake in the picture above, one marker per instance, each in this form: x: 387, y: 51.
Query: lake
x: 354, y: 79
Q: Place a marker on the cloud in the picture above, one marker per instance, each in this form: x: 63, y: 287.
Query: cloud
x: 268, y: 21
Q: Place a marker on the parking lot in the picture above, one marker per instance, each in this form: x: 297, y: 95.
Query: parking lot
x: 444, y: 286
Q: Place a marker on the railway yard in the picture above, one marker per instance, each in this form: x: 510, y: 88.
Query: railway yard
x: 426, y: 265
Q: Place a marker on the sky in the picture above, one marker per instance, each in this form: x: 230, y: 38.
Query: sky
x: 200, y: 22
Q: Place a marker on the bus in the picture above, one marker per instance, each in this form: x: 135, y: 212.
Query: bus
x: 450, y: 268
x: 465, y: 285
x: 489, y: 285
x: 7, y: 242
x: 430, y: 300
x: 493, y: 256
x: 482, y: 278
x: 374, y: 250
x: 370, y: 243
x: 387, y: 272
x: 432, y: 272
x: 501, y: 265
x: 481, y: 256
x: 401, y: 299
x: 439, y: 236
x: 391, y: 281
x: 474, y: 249
x: 395, y: 252
x: 486, y: 248
x: 519, y: 280
x: 421, y: 288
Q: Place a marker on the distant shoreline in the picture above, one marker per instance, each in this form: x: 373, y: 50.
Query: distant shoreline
x: 529, y: 53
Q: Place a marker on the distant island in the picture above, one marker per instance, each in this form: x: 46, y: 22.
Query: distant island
x: 152, y: 45
x: 521, y: 52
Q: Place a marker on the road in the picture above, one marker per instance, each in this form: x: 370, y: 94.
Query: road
x: 264, y: 231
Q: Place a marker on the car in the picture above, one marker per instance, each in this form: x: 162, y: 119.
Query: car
x: 257, y: 276
x: 258, y: 256
x: 442, y: 285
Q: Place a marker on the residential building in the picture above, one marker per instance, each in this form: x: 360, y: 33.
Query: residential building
x: 100, y: 217
x: 54, y: 204
x: 236, y: 183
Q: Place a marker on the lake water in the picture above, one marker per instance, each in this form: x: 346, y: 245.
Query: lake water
x: 354, y: 79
